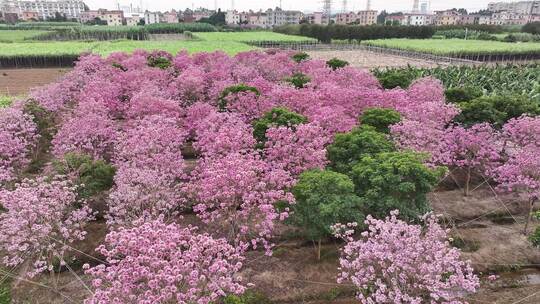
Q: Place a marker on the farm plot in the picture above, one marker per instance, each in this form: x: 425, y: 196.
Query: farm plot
x: 304, y: 177
x: 19, y: 35
x: 469, y: 49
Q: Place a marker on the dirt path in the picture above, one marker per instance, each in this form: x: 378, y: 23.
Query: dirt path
x: 19, y: 81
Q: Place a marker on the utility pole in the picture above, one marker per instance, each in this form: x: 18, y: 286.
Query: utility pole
x: 327, y: 9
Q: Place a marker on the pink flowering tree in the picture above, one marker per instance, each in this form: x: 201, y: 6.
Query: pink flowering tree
x: 521, y: 132
x: 150, y: 165
x: 521, y: 174
x: 41, y: 222
x: 18, y: 137
x: 240, y: 192
x: 395, y: 262
x: 297, y: 149
x: 223, y: 133
x: 89, y: 131
x: 164, y: 263
x: 475, y: 149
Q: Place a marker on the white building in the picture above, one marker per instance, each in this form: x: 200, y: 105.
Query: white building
x: 279, y: 17
x: 45, y: 9
x: 133, y: 19
x: 316, y: 18
x: 232, y: 17
x: 151, y: 17
x: 520, y: 7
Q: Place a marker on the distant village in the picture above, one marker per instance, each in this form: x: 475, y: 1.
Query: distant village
x: 497, y: 13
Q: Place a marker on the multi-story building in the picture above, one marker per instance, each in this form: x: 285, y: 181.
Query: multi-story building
x: 448, y: 17
x: 366, y: 17
x: 468, y: 19
x: 133, y: 19
x: 88, y: 16
x: 396, y: 20
x: 170, y: 17
x: 346, y: 18
x: 29, y: 16
x: 151, y: 17
x: 316, y: 18
x: 46, y: 9
x: 508, y: 18
x: 258, y: 19
x: 520, y: 7
x: 277, y: 17
x: 417, y: 19
x: 232, y: 17
x: 113, y: 18
x: 201, y: 13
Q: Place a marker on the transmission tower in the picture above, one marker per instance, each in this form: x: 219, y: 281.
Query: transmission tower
x: 232, y: 5
x: 368, y: 7
x: 344, y: 6
x: 327, y: 9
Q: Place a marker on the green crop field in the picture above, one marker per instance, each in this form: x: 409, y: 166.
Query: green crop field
x: 229, y: 47
x: 19, y: 35
x: 457, y: 46
x: 250, y: 36
x: 74, y: 48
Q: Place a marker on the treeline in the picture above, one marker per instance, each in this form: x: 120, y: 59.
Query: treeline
x: 122, y: 32
x: 327, y: 33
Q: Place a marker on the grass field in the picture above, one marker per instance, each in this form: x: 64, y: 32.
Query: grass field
x: 4, y: 102
x: 230, y: 43
x: 250, y: 36
x: 107, y: 47
x: 18, y: 36
x: 457, y: 46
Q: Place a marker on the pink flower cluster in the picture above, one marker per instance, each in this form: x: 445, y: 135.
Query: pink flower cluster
x: 239, y: 192
x: 18, y: 137
x: 395, y: 262
x: 149, y: 166
x: 163, y: 263
x: 42, y: 221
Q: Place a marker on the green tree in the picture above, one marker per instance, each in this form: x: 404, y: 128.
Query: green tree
x: 336, y: 63
x: 496, y: 110
x: 380, y: 119
x: 395, y: 78
x: 395, y: 180
x: 463, y: 94
x: 95, y: 175
x: 276, y: 117
x: 324, y: 198
x: 349, y: 148
x: 299, y: 80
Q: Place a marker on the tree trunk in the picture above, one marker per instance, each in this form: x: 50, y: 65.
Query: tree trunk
x: 467, y: 182
x: 529, y: 216
x: 319, y: 250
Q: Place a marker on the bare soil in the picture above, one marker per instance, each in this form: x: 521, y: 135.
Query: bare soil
x: 19, y: 81
x: 368, y: 60
x: 489, y: 224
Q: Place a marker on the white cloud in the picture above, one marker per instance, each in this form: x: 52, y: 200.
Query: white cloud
x: 304, y: 5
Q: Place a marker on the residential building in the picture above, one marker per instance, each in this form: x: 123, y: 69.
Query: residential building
x: 316, y: 18
x: 520, y: 7
x: 151, y: 17
x: 113, y: 18
x: 201, y: 13
x: 346, y: 18
x: 170, y: 17
x: 46, y: 9
x: 278, y: 16
x: 396, y: 20
x: 29, y: 16
x: 508, y: 18
x: 448, y: 17
x: 366, y: 17
x: 417, y: 19
x: 132, y: 19
x: 468, y: 19
x: 232, y: 17
x: 88, y: 16
x: 258, y: 19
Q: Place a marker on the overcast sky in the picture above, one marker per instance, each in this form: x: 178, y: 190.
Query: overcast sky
x: 303, y: 5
